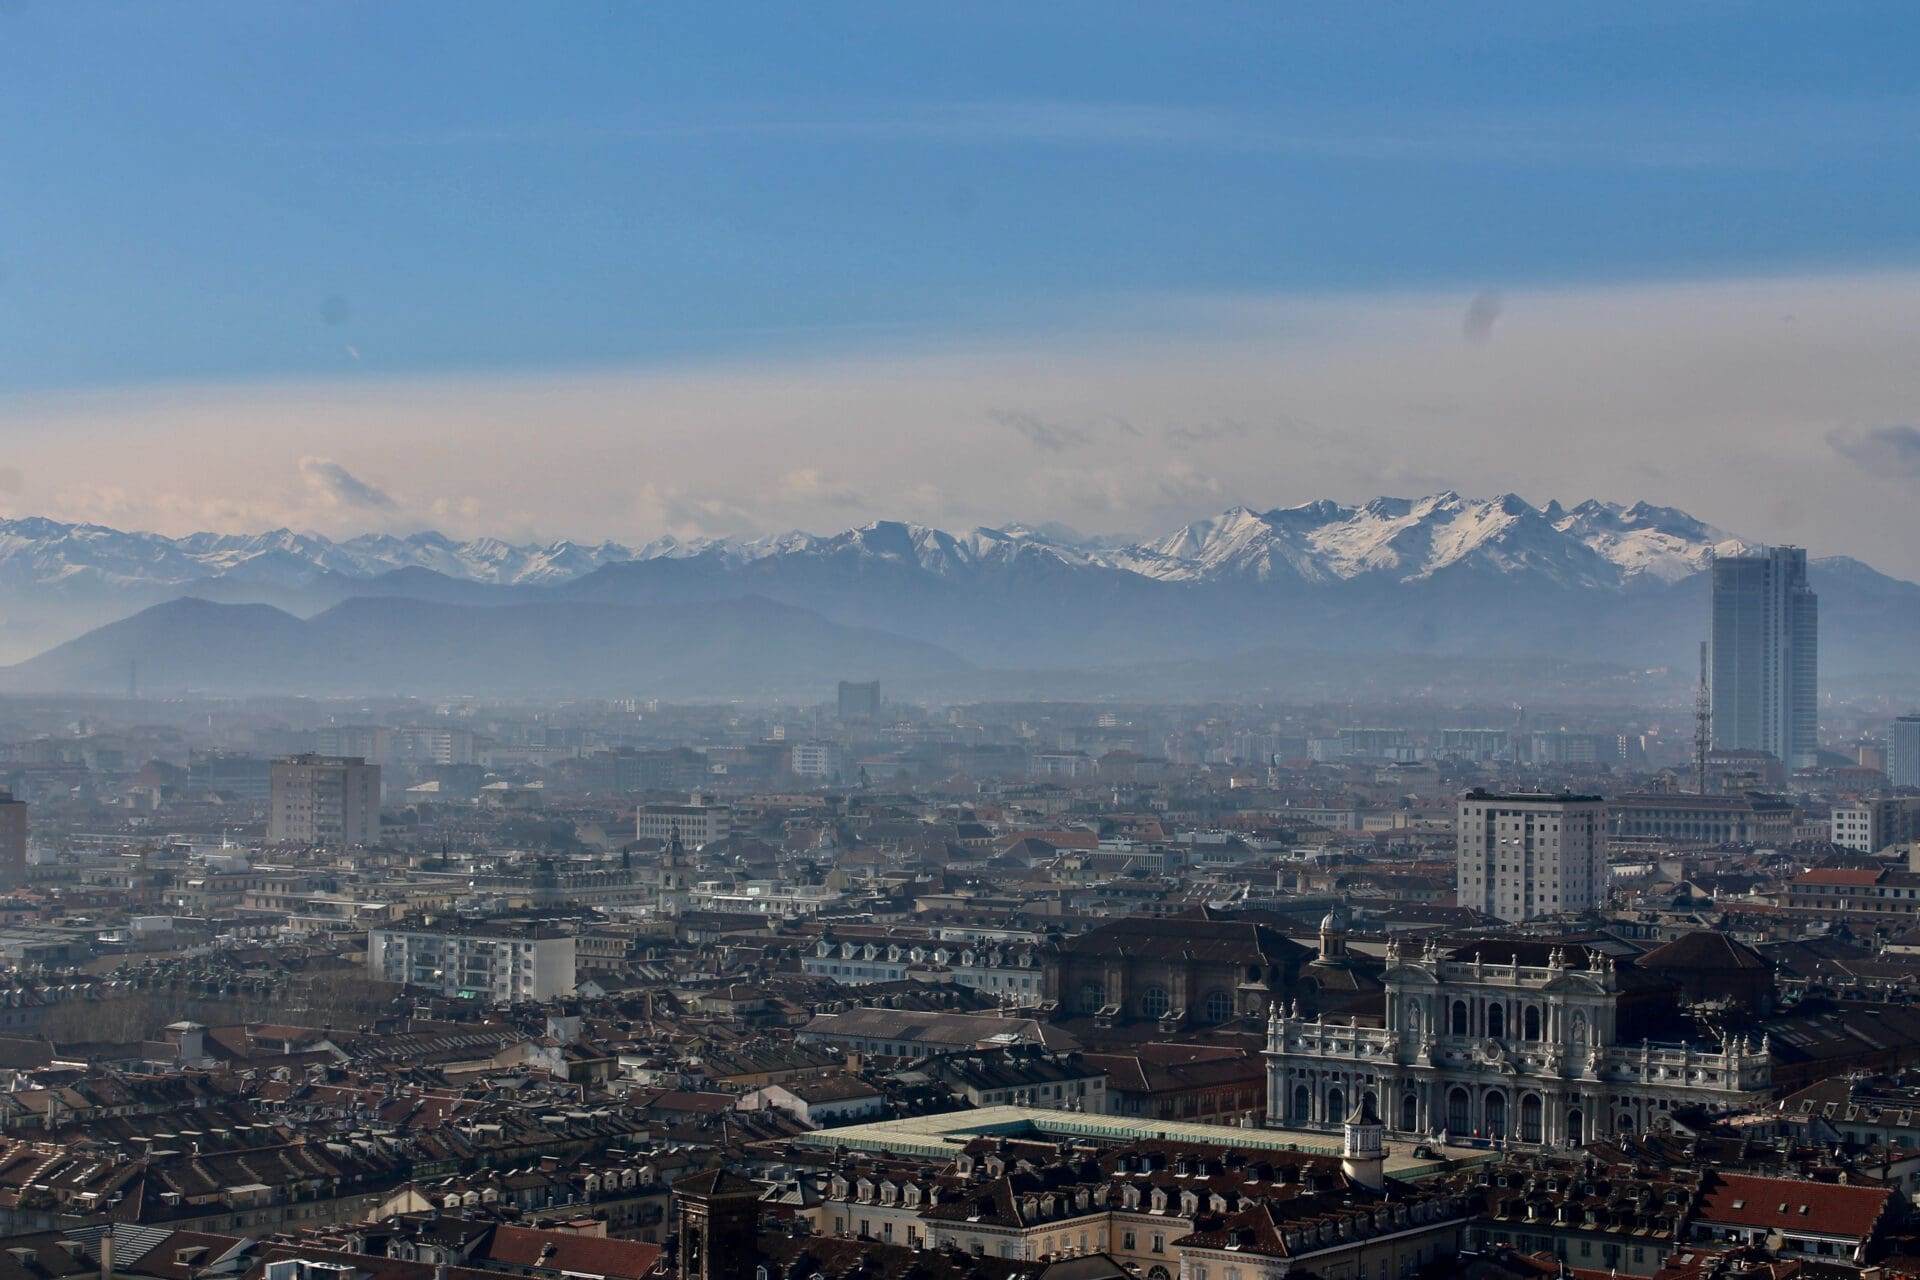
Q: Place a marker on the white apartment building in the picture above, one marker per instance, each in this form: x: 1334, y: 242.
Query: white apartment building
x: 430, y: 744
x: 1870, y: 825
x: 1531, y: 854
x: 825, y: 760
x: 698, y: 822
x: 496, y: 963
x: 323, y: 800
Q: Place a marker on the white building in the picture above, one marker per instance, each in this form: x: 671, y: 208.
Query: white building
x: 824, y: 760
x: 1531, y: 854
x: 697, y: 823
x: 1870, y: 825
x: 1522, y: 1050
x: 498, y: 963
x: 324, y: 800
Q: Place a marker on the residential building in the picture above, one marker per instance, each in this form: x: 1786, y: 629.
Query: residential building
x: 696, y: 823
x: 1762, y: 655
x: 1870, y: 825
x: 497, y: 961
x: 827, y: 761
x: 1531, y: 854
x: 324, y: 800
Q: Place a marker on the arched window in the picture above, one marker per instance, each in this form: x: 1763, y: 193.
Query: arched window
x: 1533, y: 1022
x: 1409, y: 1114
x: 1302, y: 1103
x: 1496, y: 1115
x: 1092, y: 997
x: 1218, y: 1006
x: 1459, y: 1017
x: 1336, y: 1106
x: 1625, y: 1125
x: 1153, y: 1002
x: 1575, y: 1123
x: 1457, y: 1120
x: 1530, y: 1118
x: 1496, y: 1021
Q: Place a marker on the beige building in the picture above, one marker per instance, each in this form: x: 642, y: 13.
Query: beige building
x: 1531, y: 854
x: 324, y: 800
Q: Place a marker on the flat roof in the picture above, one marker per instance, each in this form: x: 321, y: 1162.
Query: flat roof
x: 940, y: 1136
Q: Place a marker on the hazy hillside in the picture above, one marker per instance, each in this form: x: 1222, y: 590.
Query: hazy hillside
x: 401, y: 645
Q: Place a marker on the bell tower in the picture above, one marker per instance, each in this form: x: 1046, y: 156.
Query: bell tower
x: 719, y: 1222
x: 1363, y: 1151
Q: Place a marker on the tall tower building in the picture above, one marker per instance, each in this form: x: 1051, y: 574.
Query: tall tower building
x: 1763, y: 656
x: 1531, y: 854
x: 719, y: 1225
x: 13, y: 841
x: 859, y: 701
x: 1903, y: 752
x: 324, y: 800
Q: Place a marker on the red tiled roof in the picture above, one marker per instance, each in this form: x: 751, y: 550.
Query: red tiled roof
x: 1839, y: 876
x: 574, y: 1254
x: 1793, y: 1205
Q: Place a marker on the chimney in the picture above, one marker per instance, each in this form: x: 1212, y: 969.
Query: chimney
x: 106, y: 1254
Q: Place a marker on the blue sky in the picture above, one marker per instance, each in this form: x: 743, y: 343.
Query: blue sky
x: 340, y: 196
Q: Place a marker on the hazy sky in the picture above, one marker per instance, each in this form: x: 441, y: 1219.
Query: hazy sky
x: 609, y: 270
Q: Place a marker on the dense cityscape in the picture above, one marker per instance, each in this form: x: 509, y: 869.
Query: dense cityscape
x: 1093, y: 640
x: 614, y: 988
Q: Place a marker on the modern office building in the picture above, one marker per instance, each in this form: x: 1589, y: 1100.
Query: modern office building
x: 494, y: 961
x: 859, y: 702
x: 1903, y: 752
x: 324, y: 800
x: 1531, y: 854
x: 1763, y: 655
x: 13, y: 841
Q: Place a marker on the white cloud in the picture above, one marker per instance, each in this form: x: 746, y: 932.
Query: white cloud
x: 1729, y: 399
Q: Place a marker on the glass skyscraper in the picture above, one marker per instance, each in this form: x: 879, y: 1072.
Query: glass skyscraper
x: 1763, y: 655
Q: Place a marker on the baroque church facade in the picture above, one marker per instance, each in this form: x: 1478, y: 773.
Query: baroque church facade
x: 1516, y: 1041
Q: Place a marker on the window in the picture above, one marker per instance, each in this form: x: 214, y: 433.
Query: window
x: 1459, y: 1017
x: 1159, y: 1243
x: 1153, y: 1002
x: 1218, y: 1006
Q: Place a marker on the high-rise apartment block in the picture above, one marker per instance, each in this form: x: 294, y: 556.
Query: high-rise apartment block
x: 324, y: 800
x: 1903, y: 752
x: 1531, y: 854
x: 496, y: 961
x: 859, y: 702
x: 13, y: 841
x: 1763, y: 655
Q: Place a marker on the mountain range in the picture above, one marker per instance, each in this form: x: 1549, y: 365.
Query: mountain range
x: 1435, y: 576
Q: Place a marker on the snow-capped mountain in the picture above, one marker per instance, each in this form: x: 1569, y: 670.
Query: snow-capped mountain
x: 1443, y: 574
x: 1595, y: 543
